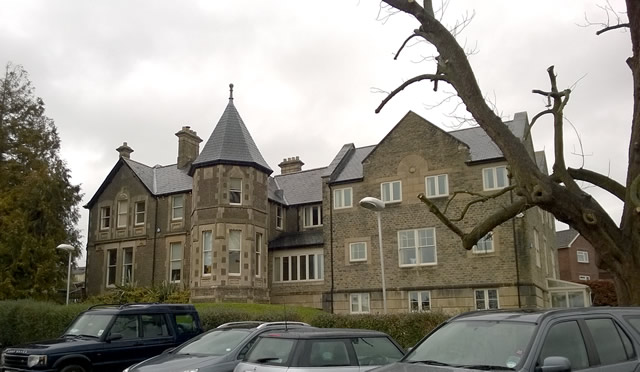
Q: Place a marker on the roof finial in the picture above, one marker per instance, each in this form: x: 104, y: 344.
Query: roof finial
x: 231, y: 91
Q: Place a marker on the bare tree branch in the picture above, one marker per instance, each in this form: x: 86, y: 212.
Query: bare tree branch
x: 481, y: 198
x: 609, y: 28
x: 599, y: 180
x: 432, y: 77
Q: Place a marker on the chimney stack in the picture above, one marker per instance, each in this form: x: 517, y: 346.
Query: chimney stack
x: 188, y: 147
x: 291, y: 165
x: 124, y: 150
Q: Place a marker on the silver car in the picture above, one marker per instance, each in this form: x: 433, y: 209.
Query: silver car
x: 320, y: 349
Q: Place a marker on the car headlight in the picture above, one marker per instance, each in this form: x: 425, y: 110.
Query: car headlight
x: 36, y: 360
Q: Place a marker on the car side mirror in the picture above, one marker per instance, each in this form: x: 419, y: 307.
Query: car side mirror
x: 114, y: 337
x: 555, y: 364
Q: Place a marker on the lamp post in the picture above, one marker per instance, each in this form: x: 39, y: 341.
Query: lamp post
x: 69, y: 248
x: 377, y: 206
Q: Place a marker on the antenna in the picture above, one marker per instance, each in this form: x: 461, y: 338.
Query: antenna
x: 284, y: 307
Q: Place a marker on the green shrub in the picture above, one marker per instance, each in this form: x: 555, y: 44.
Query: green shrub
x: 405, y: 328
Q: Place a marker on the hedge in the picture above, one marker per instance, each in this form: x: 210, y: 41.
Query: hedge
x: 26, y: 320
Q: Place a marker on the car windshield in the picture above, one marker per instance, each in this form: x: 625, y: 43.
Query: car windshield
x: 92, y: 325
x: 217, y: 342
x: 475, y: 343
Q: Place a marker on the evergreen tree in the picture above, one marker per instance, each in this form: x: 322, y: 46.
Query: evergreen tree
x: 38, y: 203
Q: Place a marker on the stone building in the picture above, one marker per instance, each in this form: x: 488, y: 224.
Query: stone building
x: 220, y: 224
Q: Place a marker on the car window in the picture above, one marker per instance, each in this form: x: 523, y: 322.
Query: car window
x: 90, y: 325
x: 634, y: 321
x: 271, y: 350
x: 127, y: 326
x: 609, y: 341
x: 216, y: 342
x: 565, y: 340
x: 328, y: 353
x: 372, y: 351
x: 154, y: 325
x: 185, y: 323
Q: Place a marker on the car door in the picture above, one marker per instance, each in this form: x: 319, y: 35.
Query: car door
x: 122, y: 352
x: 613, y: 346
x: 156, y: 336
x: 565, y: 339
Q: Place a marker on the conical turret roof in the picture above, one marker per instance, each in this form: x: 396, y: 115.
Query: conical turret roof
x: 231, y: 143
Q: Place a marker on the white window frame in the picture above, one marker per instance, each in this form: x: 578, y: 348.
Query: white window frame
x: 419, y: 297
x: 553, y: 265
x: 113, y: 266
x: 238, y: 251
x: 207, y: 251
x: 340, y: 197
x: 279, y: 217
x: 317, y: 267
x: 493, y: 173
x: 391, y: 198
x: 123, y: 214
x: 486, y: 298
x: 352, y: 246
x: 416, y: 247
x: 175, y: 207
x: 362, y: 303
x: 233, y: 189
x: 139, y: 213
x: 173, y: 260
x: 125, y: 265
x: 584, y: 277
x: 545, y: 254
x: 105, y: 218
x: 310, y: 211
x: 436, y: 186
x: 536, y: 245
x: 258, y: 254
x: 582, y: 256
x: 481, y: 246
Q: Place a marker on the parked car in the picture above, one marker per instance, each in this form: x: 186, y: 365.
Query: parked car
x: 586, y: 339
x: 320, y: 349
x: 218, y: 350
x: 107, y: 338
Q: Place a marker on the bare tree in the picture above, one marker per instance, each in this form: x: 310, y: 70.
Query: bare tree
x: 618, y: 245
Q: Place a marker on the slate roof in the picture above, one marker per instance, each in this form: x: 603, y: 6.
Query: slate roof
x: 301, y: 187
x: 564, y: 238
x: 353, y: 168
x: 231, y: 143
x: 298, y: 239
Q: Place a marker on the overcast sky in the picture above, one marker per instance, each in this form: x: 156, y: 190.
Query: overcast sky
x: 305, y: 75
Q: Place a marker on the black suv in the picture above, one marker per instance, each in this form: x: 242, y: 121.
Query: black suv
x: 587, y: 339
x: 217, y: 350
x: 107, y: 338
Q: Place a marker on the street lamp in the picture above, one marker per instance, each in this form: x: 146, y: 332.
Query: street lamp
x: 69, y: 248
x: 377, y: 206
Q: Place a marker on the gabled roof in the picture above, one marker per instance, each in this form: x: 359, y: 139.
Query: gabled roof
x: 352, y: 169
x: 565, y: 238
x: 231, y: 143
x: 158, y: 180
x: 301, y: 187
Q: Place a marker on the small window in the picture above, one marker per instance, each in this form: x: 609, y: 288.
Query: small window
x: 360, y: 303
x: 258, y: 254
x: 140, y: 213
x: 154, y: 326
x: 186, y: 324
x: 207, y: 249
x: 419, y: 301
x: 105, y: 218
x: 313, y: 216
x: 357, y: 251
x: 235, y: 191
x: 235, y: 248
x: 175, y: 270
x: 279, y: 217
x: 565, y: 340
x: 127, y: 266
x: 342, y: 198
x: 437, y: 186
x: 177, y: 207
x: 495, y: 178
x: 584, y: 277
x: 391, y: 192
x: 112, y: 260
x: 583, y: 256
x: 485, y: 244
x: 123, y: 206
x: 127, y: 326
x: 487, y: 299
x: 328, y: 353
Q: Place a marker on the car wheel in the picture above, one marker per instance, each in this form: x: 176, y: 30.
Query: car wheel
x: 73, y: 368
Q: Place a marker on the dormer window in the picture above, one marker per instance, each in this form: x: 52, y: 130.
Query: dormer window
x: 235, y: 191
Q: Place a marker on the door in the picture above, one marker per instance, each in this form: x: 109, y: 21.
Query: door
x: 156, y: 336
x: 614, y: 348
x: 123, y: 352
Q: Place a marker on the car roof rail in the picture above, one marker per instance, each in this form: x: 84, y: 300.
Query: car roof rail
x: 242, y: 324
x: 283, y: 323
x: 102, y: 305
